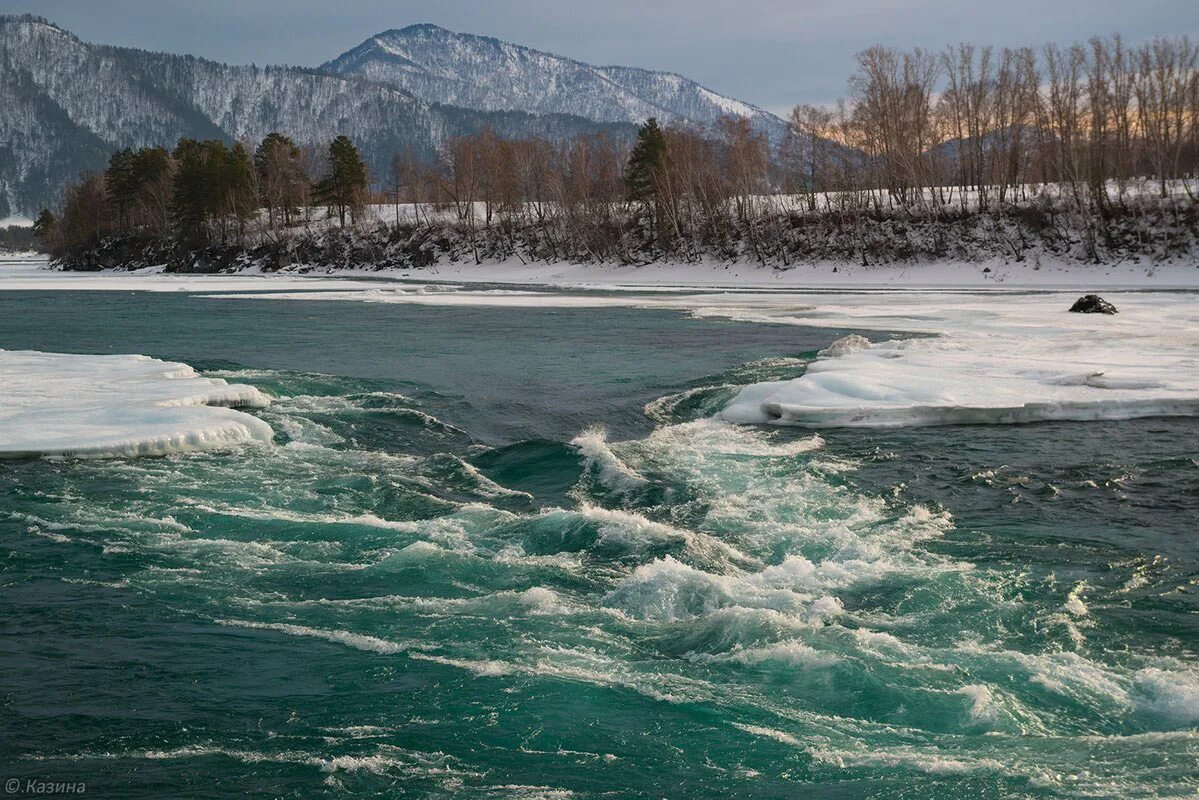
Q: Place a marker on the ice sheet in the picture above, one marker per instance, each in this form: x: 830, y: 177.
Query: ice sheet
x: 1007, y: 359
x: 987, y: 357
x: 56, y: 404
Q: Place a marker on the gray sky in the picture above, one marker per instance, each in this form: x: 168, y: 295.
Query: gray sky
x: 775, y: 53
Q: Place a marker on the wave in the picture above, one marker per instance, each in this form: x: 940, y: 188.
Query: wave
x: 612, y: 472
x: 737, y: 573
x: 356, y: 640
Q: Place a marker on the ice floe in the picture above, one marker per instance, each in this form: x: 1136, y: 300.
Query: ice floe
x: 57, y: 404
x: 1011, y: 359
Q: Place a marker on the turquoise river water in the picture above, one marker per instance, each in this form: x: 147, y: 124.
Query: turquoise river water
x: 507, y: 553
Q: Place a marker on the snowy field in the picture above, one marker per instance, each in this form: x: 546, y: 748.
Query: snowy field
x: 53, y: 404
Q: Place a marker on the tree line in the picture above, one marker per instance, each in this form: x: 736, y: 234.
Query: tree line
x: 1092, y: 131
x: 977, y: 126
x: 206, y: 192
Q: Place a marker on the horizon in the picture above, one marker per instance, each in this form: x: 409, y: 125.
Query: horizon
x: 755, y: 64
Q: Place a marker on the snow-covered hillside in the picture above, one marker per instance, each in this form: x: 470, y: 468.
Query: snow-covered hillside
x: 65, y: 105
x: 488, y: 74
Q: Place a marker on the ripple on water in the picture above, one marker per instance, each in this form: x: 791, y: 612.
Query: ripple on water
x: 708, y: 587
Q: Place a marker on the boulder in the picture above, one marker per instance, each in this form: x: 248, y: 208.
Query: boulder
x: 1093, y: 304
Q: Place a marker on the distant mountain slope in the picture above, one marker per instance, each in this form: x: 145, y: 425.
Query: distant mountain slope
x: 66, y: 104
x: 487, y: 74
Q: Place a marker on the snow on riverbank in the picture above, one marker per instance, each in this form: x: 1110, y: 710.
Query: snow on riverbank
x: 892, y: 277
x: 29, y: 272
x: 56, y: 404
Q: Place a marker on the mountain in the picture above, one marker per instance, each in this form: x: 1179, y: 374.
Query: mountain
x: 487, y: 74
x: 65, y: 105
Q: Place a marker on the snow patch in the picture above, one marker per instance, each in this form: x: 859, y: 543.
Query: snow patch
x: 997, y: 360
x: 57, y: 404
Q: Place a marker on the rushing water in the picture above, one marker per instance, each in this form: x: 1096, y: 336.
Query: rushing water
x: 507, y: 553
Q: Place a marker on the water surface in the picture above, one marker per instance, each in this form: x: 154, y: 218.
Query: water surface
x: 506, y: 553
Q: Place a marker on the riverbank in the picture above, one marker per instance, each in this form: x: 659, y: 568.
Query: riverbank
x: 32, y: 271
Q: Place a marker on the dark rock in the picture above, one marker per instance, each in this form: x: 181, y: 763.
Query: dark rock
x: 1093, y: 304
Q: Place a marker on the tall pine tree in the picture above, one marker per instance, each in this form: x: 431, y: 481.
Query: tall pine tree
x: 188, y: 209
x: 646, y: 161
x: 121, y: 183
x: 201, y: 188
x: 643, y: 174
x: 45, y: 227
x: 241, y: 199
x: 344, y: 186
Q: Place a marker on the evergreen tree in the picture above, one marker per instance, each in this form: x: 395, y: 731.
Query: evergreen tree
x: 646, y: 162
x: 187, y: 197
x: 344, y: 185
x: 215, y: 184
x: 201, y: 180
x: 44, y: 228
x: 645, y: 169
x: 120, y: 181
x: 241, y: 198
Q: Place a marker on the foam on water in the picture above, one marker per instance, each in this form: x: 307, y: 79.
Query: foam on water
x: 731, y: 586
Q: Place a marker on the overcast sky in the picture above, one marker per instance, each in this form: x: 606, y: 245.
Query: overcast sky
x: 771, y: 52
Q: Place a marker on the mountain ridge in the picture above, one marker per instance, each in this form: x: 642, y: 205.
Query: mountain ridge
x: 427, y: 60
x: 66, y: 104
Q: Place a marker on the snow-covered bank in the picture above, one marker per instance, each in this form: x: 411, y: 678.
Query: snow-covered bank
x: 937, y: 275
x: 31, y: 272
x: 56, y: 404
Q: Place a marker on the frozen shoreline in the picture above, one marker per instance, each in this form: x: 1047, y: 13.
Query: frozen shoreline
x: 29, y: 272
x: 1003, y: 349
x: 950, y: 276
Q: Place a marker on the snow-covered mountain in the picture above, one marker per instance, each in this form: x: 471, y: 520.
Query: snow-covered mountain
x: 65, y: 105
x: 483, y: 73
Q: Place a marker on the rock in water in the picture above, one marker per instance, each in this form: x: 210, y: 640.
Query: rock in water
x: 1093, y: 304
